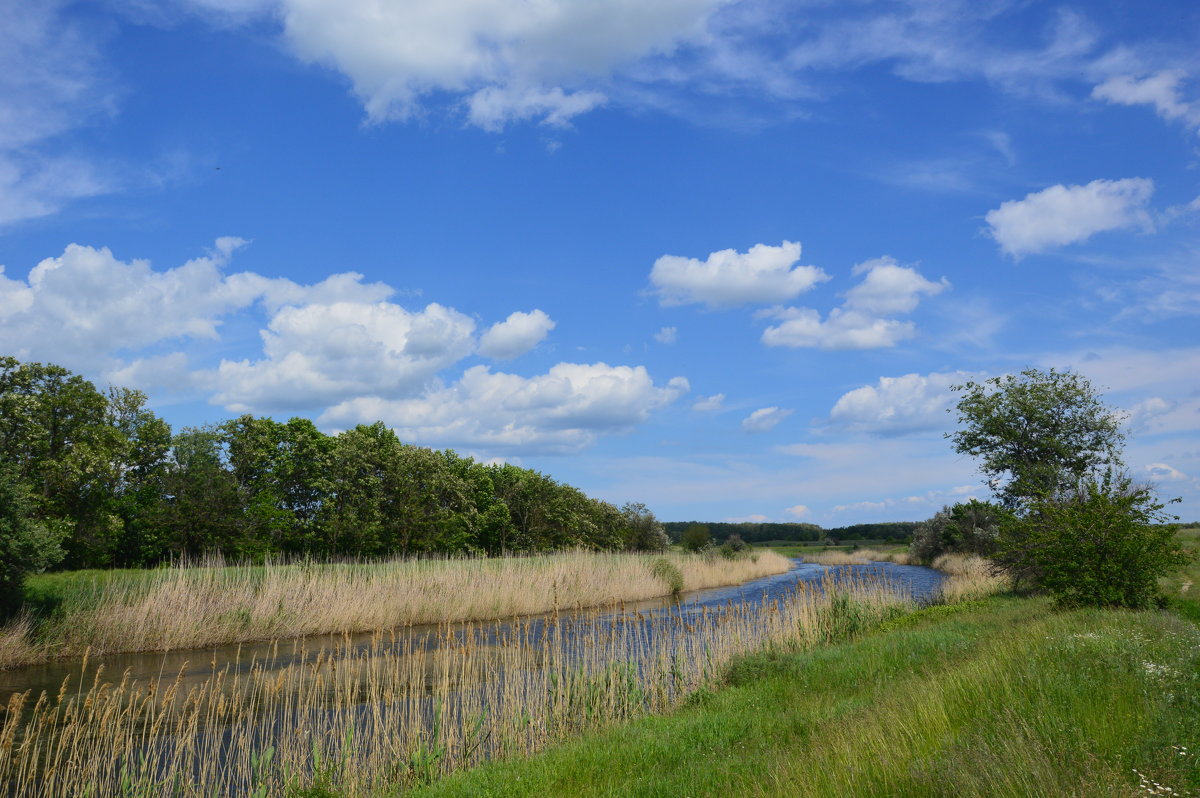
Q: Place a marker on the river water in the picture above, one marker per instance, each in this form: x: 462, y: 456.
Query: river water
x: 199, y: 664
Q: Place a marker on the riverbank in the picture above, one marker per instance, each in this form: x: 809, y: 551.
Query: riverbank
x: 995, y: 697
x: 197, y: 606
x: 401, y: 710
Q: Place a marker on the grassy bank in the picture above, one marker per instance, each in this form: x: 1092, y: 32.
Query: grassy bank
x: 999, y: 697
x: 191, y: 607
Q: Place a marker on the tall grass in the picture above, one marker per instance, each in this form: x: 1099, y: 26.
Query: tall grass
x: 403, y: 710
x: 1003, y: 698
x: 194, y: 606
x: 858, y: 557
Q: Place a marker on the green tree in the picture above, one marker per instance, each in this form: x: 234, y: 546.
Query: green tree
x: 1036, y: 433
x: 1104, y: 542
x: 643, y: 531
x: 26, y: 545
x: 696, y: 537
x: 966, y: 528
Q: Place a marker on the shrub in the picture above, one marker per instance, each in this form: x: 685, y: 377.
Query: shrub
x: 734, y: 547
x: 1104, y: 544
x: 966, y: 528
x: 668, y: 572
x: 25, y: 545
x: 696, y: 537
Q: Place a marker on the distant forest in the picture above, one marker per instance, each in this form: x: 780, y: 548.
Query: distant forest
x: 897, y: 531
x: 104, y: 478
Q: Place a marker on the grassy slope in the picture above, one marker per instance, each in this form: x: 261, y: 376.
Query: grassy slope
x: 1004, y: 697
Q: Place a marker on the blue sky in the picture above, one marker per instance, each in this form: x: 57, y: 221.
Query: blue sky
x: 725, y: 258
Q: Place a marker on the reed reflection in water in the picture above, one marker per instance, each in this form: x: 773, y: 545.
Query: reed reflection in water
x: 403, y: 708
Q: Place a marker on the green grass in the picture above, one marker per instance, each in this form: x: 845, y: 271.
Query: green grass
x: 1004, y: 697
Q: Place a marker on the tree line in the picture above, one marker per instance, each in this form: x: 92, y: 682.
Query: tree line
x: 756, y: 532
x: 101, y: 476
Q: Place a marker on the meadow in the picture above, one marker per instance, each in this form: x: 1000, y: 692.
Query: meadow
x: 193, y: 606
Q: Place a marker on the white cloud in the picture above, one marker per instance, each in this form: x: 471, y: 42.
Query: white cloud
x: 897, y: 405
x: 320, y: 354
x: 860, y: 322
x: 765, y: 419
x: 86, y: 305
x: 667, y: 335
x: 798, y: 511
x: 727, y: 278
x: 709, y: 403
x: 1165, y: 473
x: 953, y: 40
x: 561, y: 411
x: 505, y: 61
x: 890, y: 288
x: 1160, y: 90
x: 50, y: 83
x: 516, y: 335
x: 1062, y: 215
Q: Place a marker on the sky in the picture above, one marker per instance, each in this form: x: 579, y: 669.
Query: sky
x: 723, y: 257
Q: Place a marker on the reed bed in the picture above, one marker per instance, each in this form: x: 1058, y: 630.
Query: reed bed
x: 402, y: 710
x: 212, y: 604
x: 858, y: 557
x: 971, y: 578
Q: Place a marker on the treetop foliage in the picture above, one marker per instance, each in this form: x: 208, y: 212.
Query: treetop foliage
x: 1036, y: 433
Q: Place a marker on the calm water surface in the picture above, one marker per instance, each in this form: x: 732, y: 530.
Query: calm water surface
x: 921, y: 583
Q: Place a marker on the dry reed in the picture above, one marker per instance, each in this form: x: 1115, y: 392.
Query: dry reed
x: 858, y: 557
x: 971, y: 577
x: 193, y: 607
x: 400, y: 711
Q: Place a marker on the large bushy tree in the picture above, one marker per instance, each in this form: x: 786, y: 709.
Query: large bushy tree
x: 1105, y: 542
x: 1073, y: 524
x: 1036, y: 433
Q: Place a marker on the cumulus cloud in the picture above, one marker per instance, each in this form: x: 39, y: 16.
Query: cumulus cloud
x: 667, y: 335
x: 861, y: 322
x: 83, y: 306
x: 503, y: 61
x: 798, y: 511
x: 1062, y: 215
x: 762, y: 274
x: 1165, y: 473
x: 898, y: 405
x: 765, y: 419
x: 516, y: 335
x: 319, y: 354
x: 561, y: 411
x: 709, y: 403
x: 1160, y: 90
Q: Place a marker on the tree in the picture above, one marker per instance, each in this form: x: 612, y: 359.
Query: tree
x: 966, y: 528
x: 1102, y: 543
x: 26, y: 545
x: 643, y: 530
x: 1036, y: 433
x: 696, y: 537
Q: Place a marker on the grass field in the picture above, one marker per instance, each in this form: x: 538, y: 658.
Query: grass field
x: 998, y: 697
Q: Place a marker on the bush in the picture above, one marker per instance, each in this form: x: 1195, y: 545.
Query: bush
x: 696, y: 538
x: 1102, y: 544
x: 734, y: 547
x: 966, y: 528
x: 25, y: 545
x: 669, y: 573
